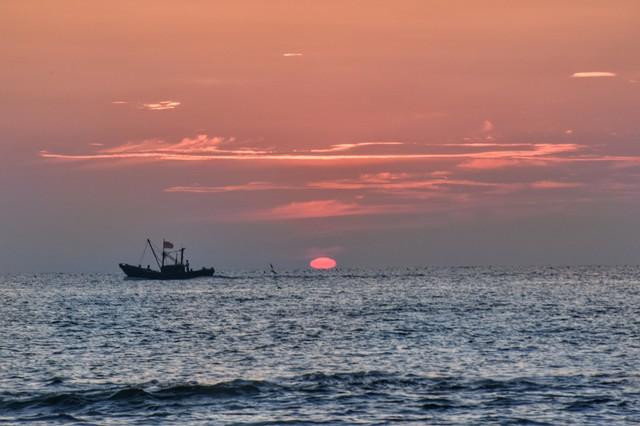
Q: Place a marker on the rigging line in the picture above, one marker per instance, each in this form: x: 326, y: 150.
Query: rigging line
x: 143, y: 253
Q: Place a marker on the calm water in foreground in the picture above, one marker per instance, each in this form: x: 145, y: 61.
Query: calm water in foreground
x: 423, y: 346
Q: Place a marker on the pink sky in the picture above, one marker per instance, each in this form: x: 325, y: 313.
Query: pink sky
x: 401, y: 132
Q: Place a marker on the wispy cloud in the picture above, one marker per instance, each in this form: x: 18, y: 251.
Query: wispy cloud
x: 205, y: 148
x: 593, y: 74
x: 160, y: 106
x: 323, y: 208
x: 490, y: 163
x: 350, y: 146
x: 385, y: 182
x: 291, y: 54
x: 150, y: 106
x: 549, y: 184
x: 201, y: 145
x: 251, y: 186
x: 448, y: 193
x: 392, y: 183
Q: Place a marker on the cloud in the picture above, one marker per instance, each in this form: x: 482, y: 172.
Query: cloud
x: 403, y: 183
x: 392, y: 193
x: 383, y: 177
x: 490, y: 163
x: 160, y: 106
x: 291, y: 54
x: 201, y: 145
x: 251, y: 186
x: 549, y: 184
x: 350, y: 146
x: 323, y: 208
x: 205, y: 148
x: 593, y: 74
x: 383, y: 182
x: 151, y: 106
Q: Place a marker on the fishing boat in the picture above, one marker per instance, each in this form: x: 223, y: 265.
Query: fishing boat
x: 171, y: 266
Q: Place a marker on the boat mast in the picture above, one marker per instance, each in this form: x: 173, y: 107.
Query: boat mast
x: 182, y: 256
x: 154, y: 253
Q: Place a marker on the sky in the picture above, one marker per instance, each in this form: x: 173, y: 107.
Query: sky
x: 378, y: 133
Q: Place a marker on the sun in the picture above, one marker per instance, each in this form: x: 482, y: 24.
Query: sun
x: 323, y: 263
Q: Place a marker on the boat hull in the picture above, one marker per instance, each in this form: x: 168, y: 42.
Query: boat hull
x: 140, y: 273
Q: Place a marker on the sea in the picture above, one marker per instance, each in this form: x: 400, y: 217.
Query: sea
x: 412, y: 346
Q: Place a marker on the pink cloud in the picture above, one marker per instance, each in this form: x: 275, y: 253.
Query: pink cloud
x: 350, y: 146
x: 323, y: 208
x: 389, y: 182
x: 365, y: 181
x: 160, y: 106
x: 402, y: 184
x: 205, y: 148
x: 549, y: 184
x: 382, y: 177
x: 197, y: 146
x: 251, y: 186
x: 489, y: 163
x: 593, y: 74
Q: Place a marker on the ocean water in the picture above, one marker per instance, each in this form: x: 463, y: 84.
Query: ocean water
x: 411, y: 346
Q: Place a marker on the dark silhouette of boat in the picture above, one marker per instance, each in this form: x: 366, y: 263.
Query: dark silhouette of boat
x: 173, y: 269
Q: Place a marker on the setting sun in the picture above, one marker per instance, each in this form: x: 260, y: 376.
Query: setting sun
x: 323, y: 263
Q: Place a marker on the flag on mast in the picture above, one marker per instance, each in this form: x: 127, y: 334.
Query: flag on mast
x: 167, y: 245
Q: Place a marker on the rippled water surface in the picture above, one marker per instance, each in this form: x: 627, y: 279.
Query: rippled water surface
x: 423, y: 346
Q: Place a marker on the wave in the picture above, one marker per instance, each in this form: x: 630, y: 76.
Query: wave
x: 137, y: 394
x: 588, y: 403
x: 425, y: 393
x: 52, y: 418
